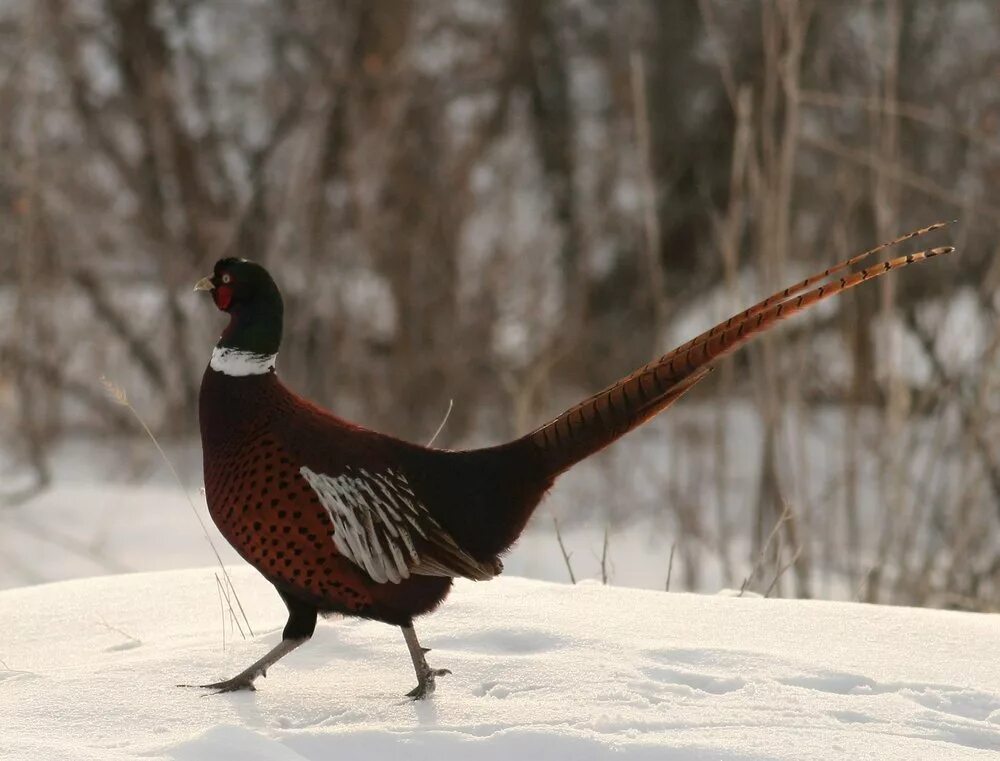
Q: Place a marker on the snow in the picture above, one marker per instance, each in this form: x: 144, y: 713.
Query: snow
x: 541, y: 670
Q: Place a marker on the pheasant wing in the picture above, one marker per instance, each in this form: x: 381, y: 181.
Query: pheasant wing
x: 381, y: 526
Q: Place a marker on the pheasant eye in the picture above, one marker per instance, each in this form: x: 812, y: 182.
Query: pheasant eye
x: 226, y: 278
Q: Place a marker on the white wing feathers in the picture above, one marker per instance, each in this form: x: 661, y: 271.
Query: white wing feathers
x: 379, y: 525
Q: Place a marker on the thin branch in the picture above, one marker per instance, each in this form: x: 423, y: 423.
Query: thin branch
x: 51, y: 373
x: 898, y: 174
x: 650, y: 202
x: 785, y: 516
x: 781, y: 570
x: 138, y: 347
x: 69, y: 55
x: 67, y: 543
x: 562, y: 549
x: 718, y: 48
x: 970, y: 419
x: 19, y: 497
x: 916, y: 113
x: 257, y: 163
x: 670, y: 565
x: 604, y: 558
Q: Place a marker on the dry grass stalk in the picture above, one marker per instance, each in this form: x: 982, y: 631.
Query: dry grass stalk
x: 117, y: 393
x: 116, y: 630
x: 785, y: 516
x: 444, y: 420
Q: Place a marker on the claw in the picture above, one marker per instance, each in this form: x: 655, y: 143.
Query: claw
x: 427, y: 684
x: 235, y: 684
x: 237, y: 688
x: 245, y: 679
x: 421, y: 691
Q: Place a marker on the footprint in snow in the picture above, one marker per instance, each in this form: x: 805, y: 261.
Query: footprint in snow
x: 837, y: 683
x: 946, y: 699
x: 313, y: 719
x: 500, y: 691
x: 13, y: 675
x: 693, y: 671
x: 981, y: 737
x: 127, y: 645
x: 714, y: 660
x: 491, y: 689
x: 967, y: 704
x: 852, y: 717
x: 691, y: 681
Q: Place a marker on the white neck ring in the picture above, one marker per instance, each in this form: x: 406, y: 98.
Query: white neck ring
x: 237, y: 362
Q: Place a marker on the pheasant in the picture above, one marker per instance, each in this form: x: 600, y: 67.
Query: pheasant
x: 342, y: 519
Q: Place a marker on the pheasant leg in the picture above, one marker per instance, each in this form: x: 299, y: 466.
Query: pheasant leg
x: 299, y: 628
x: 425, y: 674
x: 245, y: 679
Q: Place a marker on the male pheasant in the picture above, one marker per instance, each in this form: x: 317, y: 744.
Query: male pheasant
x: 343, y: 519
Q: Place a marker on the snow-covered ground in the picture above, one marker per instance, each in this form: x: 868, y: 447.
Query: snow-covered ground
x: 540, y: 671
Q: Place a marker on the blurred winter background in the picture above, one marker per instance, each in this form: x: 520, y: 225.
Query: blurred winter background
x: 509, y: 205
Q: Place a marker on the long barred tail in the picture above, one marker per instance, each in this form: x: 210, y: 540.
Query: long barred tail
x: 601, y: 419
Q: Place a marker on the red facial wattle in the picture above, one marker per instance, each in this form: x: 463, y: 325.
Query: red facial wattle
x: 223, y: 296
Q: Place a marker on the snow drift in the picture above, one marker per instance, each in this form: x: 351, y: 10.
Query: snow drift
x: 89, y: 669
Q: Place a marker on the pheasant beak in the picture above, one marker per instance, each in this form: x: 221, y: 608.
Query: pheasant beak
x: 205, y: 284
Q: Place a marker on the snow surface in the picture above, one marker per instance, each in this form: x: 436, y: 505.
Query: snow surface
x: 540, y: 670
